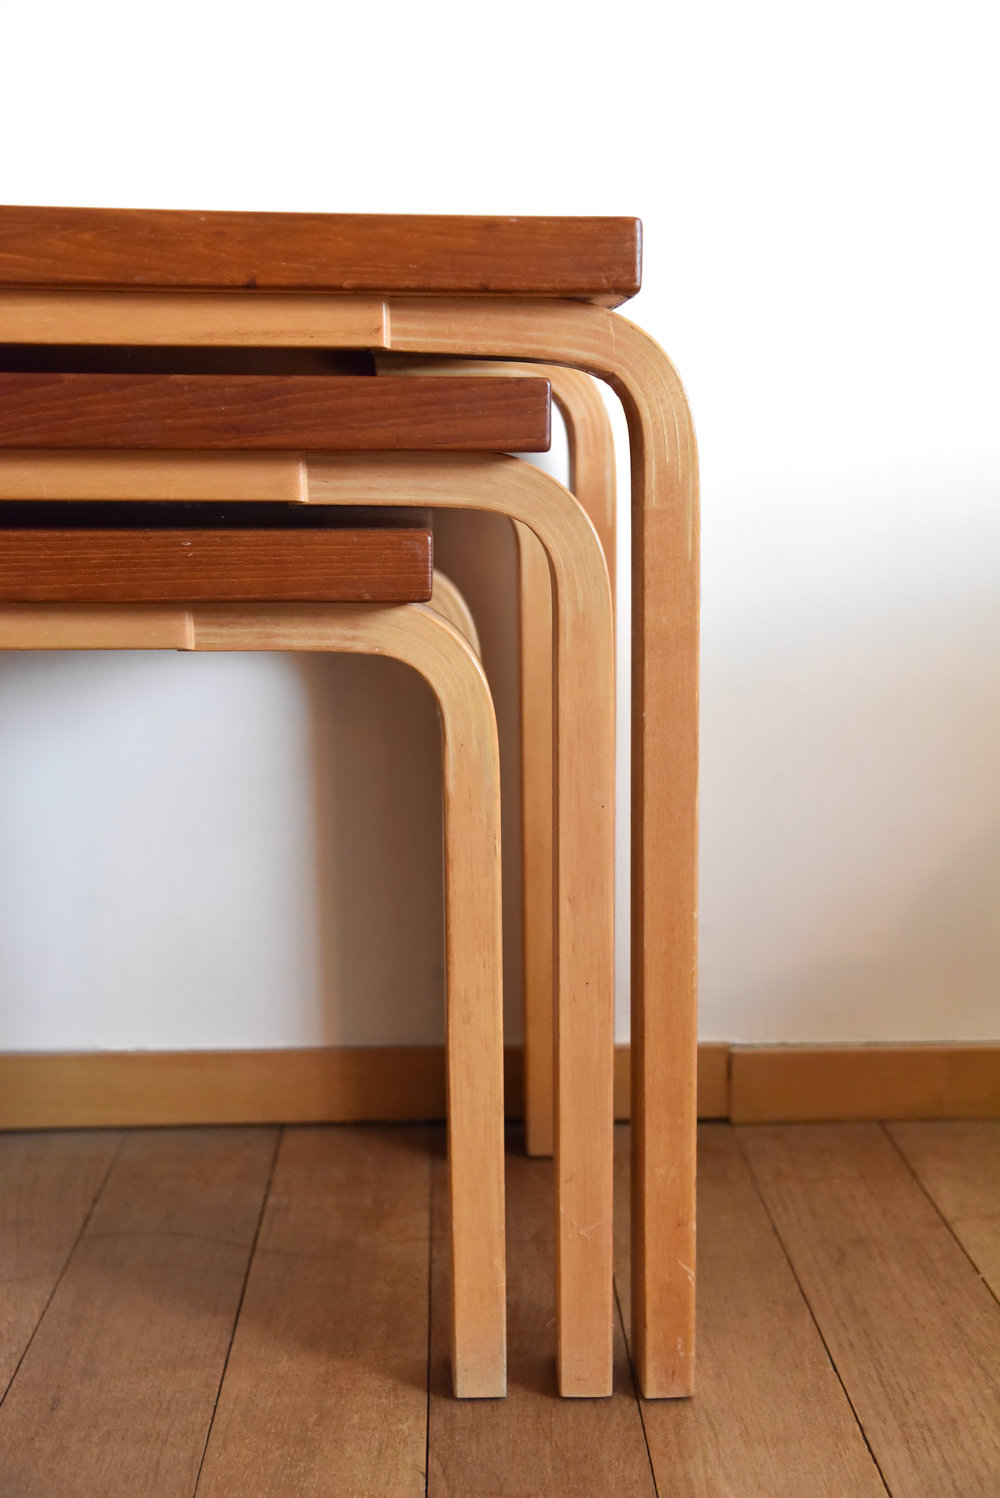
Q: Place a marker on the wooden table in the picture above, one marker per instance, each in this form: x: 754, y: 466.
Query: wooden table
x: 521, y: 289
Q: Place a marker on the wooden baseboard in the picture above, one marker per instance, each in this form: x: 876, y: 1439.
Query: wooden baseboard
x: 122, y: 1089
x: 809, y: 1084
x: 713, y: 1081
x: 749, y: 1084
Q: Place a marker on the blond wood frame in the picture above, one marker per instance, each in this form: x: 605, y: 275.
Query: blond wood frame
x: 584, y: 863
x: 664, y: 680
x: 592, y: 479
x: 584, y: 859
x: 416, y: 635
x: 448, y: 600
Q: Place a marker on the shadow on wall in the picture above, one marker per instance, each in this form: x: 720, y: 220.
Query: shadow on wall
x: 378, y: 808
x: 378, y: 877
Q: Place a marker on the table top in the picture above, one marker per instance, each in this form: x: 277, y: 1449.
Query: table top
x: 308, y: 413
x: 586, y: 259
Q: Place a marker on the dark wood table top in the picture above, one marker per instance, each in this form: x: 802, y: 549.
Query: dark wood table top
x: 204, y: 563
x: 315, y: 413
x: 588, y: 259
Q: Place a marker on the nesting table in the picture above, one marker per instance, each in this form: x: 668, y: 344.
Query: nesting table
x: 536, y: 290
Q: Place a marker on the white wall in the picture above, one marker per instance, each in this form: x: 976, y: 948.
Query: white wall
x: 819, y: 195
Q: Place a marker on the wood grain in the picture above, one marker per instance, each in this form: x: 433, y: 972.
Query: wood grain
x: 36, y: 474
x: 769, y: 1418
x: 48, y: 1184
x: 246, y: 566
x: 539, y: 821
x: 95, y: 626
x: 532, y: 1442
x: 912, y: 1329
x: 448, y: 600
x: 665, y: 578
x: 199, y: 319
x: 300, y: 412
x: 584, y: 649
x: 414, y: 634
x: 117, y: 1389
x: 958, y: 1165
x: 592, y: 480
x: 597, y: 258
x: 325, y: 1389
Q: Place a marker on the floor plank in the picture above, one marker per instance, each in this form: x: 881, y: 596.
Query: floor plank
x: 958, y: 1164
x: 532, y: 1442
x: 326, y: 1388
x: 115, y: 1394
x: 48, y: 1183
x: 913, y: 1330
x: 769, y: 1418
x: 326, y: 1392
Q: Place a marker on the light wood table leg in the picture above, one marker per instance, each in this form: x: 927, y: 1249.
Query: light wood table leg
x: 664, y: 682
x: 585, y: 776
x: 584, y: 864
x: 448, y: 600
x: 415, y: 634
x: 592, y: 479
x: 665, y: 539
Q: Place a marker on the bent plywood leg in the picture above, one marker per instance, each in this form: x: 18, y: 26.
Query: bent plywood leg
x: 664, y: 681
x: 585, y: 776
x: 584, y: 861
x: 415, y: 634
x: 664, y: 772
x: 585, y: 851
x: 448, y: 600
x: 539, y: 819
x: 471, y: 765
x: 592, y: 480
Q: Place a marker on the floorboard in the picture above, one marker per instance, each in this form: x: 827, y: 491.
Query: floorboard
x: 849, y: 1340
x: 958, y: 1165
x: 770, y: 1418
x: 48, y: 1184
x: 326, y: 1387
x: 531, y: 1443
x: 116, y: 1391
x: 912, y: 1329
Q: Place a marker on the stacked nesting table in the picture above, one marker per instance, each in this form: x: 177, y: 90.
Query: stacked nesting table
x: 539, y: 290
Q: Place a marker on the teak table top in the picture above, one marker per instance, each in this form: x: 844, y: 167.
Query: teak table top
x: 304, y: 412
x: 588, y: 259
x: 372, y: 564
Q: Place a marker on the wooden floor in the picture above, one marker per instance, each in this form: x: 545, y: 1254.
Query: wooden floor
x: 242, y: 1312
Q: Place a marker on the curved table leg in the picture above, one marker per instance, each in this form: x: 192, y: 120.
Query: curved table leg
x: 593, y: 481
x: 664, y: 680
x: 415, y: 634
x: 664, y: 771
x: 585, y: 777
x: 449, y: 601
x: 584, y: 863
